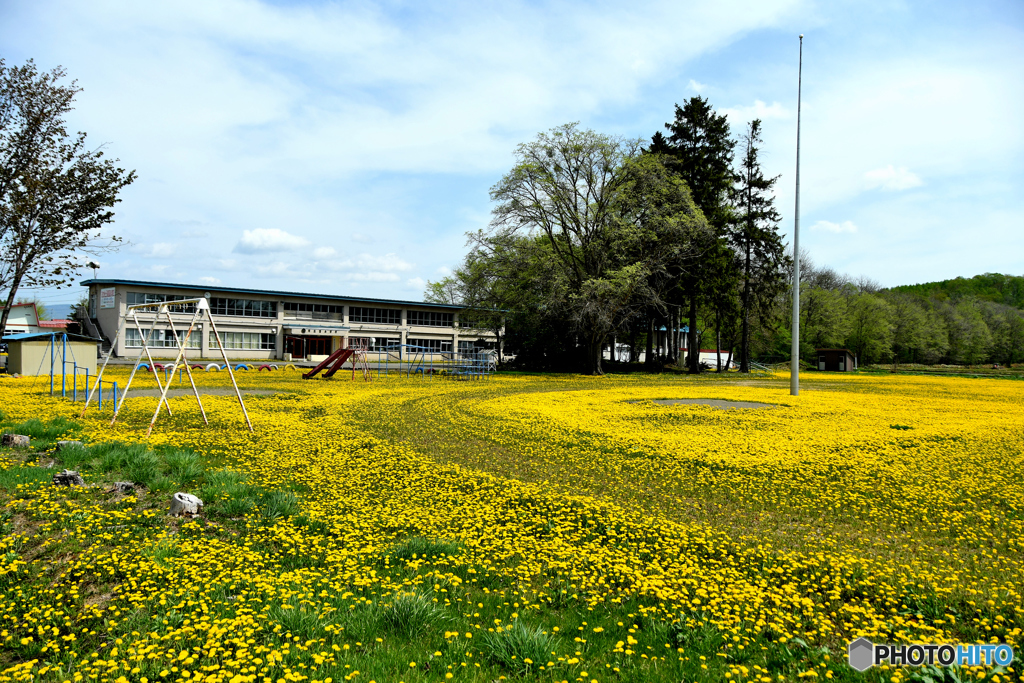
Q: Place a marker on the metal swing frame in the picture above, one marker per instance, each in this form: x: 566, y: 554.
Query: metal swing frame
x: 201, y: 306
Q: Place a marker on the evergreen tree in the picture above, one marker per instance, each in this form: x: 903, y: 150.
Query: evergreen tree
x: 756, y: 236
x: 701, y: 151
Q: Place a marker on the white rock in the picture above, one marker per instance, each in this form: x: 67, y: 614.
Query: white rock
x: 185, y: 504
x: 16, y: 440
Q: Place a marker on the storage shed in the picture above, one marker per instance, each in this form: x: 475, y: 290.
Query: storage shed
x: 29, y: 354
x: 836, y: 360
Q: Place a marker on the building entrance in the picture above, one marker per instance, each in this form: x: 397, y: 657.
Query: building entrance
x: 304, y: 347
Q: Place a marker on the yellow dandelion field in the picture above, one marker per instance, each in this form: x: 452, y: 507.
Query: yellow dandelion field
x: 554, y: 528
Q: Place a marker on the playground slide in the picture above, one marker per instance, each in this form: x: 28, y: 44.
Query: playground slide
x: 338, y: 359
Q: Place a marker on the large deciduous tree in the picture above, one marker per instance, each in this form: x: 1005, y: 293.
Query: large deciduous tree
x: 55, y: 194
x: 587, y: 234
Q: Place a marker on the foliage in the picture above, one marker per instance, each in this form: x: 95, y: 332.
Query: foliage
x: 756, y: 236
x: 701, y: 149
x: 585, y: 234
x: 55, y: 193
x: 994, y: 287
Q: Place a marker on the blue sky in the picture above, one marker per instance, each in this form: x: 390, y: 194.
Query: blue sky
x: 348, y: 147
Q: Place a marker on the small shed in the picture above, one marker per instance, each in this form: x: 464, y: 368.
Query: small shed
x: 836, y: 360
x: 29, y: 354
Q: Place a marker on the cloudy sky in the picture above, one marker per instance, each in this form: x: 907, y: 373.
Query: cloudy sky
x: 347, y: 147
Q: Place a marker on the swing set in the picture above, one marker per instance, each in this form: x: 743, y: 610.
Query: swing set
x: 200, y: 306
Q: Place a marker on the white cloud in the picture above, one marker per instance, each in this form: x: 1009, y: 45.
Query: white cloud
x: 269, y: 240
x: 891, y: 178
x: 417, y: 283
x: 207, y: 280
x: 324, y: 253
x: 759, y: 110
x: 696, y: 86
x: 828, y: 226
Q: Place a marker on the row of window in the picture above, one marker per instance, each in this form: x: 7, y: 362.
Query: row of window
x: 268, y: 309
x: 253, y: 308
x: 374, y: 343
x: 256, y: 341
x: 431, y: 319
x: 135, y: 298
x: 258, y: 308
x: 312, y: 308
x: 161, y: 338
x: 431, y: 345
x: 380, y: 316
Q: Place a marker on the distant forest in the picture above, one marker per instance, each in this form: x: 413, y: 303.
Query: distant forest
x: 960, y: 322
x: 999, y: 289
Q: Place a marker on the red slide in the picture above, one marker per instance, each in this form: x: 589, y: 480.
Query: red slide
x: 338, y: 358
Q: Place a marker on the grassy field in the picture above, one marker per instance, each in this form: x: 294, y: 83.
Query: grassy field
x: 554, y: 528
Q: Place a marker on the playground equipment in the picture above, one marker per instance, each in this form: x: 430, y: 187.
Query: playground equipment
x: 356, y: 352
x: 410, y: 359
x: 200, y: 305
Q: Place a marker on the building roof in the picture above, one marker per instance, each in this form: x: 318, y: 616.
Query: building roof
x: 58, y: 324
x: 46, y: 336
x: 264, y: 292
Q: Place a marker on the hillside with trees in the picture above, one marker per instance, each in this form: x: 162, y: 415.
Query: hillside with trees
x: 994, y: 287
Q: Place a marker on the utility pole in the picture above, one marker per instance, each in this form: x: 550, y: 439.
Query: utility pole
x: 794, y: 380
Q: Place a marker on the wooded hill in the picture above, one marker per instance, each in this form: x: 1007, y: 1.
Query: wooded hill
x: 994, y: 287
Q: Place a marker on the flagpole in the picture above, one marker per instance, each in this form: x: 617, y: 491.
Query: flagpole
x: 794, y: 381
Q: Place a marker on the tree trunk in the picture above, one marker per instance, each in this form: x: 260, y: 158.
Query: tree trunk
x: 691, y: 343
x: 633, y: 356
x: 595, y: 350
x: 718, y: 347
x: 6, y: 313
x: 745, y: 335
x: 649, y: 350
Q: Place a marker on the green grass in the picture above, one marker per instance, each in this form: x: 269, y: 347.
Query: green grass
x: 520, y: 649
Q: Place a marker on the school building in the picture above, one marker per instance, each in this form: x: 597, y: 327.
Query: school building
x: 267, y: 324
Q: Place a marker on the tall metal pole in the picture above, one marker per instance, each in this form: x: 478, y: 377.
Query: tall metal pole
x: 794, y: 380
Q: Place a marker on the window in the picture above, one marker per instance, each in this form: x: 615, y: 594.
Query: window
x: 431, y: 319
x: 476, y: 346
x: 383, y: 316
x: 377, y: 343
x: 148, y: 298
x: 161, y: 339
x: 247, y: 307
x: 250, y: 341
x: 431, y: 345
x: 313, y: 311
